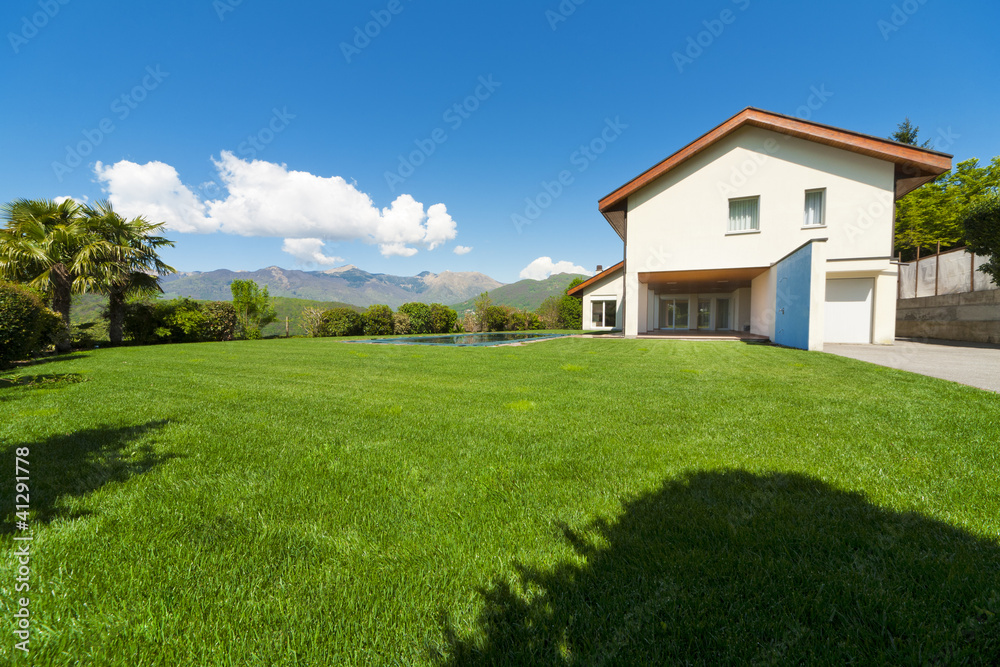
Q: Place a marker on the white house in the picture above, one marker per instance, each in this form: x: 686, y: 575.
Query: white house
x: 766, y: 224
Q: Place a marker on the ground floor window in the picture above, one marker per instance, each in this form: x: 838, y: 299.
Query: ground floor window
x: 604, y: 313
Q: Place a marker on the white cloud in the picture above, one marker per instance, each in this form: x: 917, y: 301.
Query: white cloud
x: 462, y: 250
x: 78, y: 200
x: 309, y: 251
x: 269, y: 200
x: 154, y: 190
x: 543, y: 267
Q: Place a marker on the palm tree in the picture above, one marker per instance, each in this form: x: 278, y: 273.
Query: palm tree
x: 41, y: 246
x: 123, y: 260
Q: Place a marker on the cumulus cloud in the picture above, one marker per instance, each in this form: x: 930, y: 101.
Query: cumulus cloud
x: 78, y: 200
x: 154, y: 190
x: 308, y: 252
x: 543, y: 267
x: 462, y: 249
x: 268, y: 199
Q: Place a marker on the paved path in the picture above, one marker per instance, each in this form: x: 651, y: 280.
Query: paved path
x: 974, y: 364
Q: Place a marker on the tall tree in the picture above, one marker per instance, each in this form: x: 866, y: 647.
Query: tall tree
x: 253, y: 307
x: 41, y: 246
x: 907, y: 132
x: 123, y: 259
x: 934, y: 213
x: 982, y: 229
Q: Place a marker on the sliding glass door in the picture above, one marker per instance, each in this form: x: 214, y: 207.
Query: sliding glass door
x: 674, y: 313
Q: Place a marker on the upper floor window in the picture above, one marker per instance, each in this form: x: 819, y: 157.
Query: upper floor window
x: 815, y: 216
x: 744, y: 214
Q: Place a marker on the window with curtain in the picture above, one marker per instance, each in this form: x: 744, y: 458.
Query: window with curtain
x: 814, y: 208
x: 744, y: 214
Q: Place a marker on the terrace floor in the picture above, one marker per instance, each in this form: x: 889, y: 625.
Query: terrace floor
x: 694, y: 334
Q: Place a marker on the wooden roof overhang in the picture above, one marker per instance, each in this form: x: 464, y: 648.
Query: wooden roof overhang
x: 702, y: 281
x: 578, y: 290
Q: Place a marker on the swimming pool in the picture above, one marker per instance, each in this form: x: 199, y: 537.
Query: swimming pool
x: 469, y: 340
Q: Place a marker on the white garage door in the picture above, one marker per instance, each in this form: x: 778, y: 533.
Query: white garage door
x: 849, y: 310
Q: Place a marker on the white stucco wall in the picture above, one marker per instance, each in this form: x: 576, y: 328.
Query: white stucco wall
x: 680, y: 221
x: 610, y: 287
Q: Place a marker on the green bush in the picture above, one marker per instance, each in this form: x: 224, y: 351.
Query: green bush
x: 401, y: 324
x: 420, y: 317
x: 220, y: 320
x: 26, y: 325
x: 88, y: 334
x: 378, y: 321
x: 570, y: 313
x: 496, y: 318
x: 177, y: 321
x: 185, y: 321
x: 443, y: 319
x: 343, y: 322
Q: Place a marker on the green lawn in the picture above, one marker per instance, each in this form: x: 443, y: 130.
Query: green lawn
x: 313, y: 502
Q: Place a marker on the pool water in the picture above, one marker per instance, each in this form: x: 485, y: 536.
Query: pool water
x: 466, y: 340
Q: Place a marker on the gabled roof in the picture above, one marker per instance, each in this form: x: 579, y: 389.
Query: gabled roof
x: 914, y: 165
x: 578, y: 290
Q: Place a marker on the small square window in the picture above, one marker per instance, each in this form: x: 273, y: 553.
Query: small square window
x: 744, y: 214
x: 815, y: 216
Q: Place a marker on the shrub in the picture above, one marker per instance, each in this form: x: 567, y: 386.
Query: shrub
x: 88, y: 334
x: 184, y: 321
x: 420, y: 317
x: 26, y: 325
x: 313, y: 322
x: 141, y: 321
x: 496, y: 318
x: 177, y: 321
x: 523, y: 320
x: 401, y: 324
x: 343, y: 322
x: 220, y: 320
x: 378, y: 321
x: 570, y: 313
x: 443, y: 318
x: 470, y: 323
x: 548, y: 312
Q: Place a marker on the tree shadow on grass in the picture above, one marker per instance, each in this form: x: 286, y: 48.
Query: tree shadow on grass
x: 75, y: 464
x: 738, y: 568
x: 49, y: 359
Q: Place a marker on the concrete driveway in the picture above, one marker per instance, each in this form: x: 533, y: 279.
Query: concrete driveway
x: 974, y: 364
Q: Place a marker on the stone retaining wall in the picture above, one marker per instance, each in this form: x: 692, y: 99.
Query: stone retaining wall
x: 971, y: 316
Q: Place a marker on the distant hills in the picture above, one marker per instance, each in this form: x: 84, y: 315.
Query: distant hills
x: 347, y: 284
x: 525, y: 294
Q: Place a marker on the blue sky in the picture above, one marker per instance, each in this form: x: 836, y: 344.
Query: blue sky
x: 281, y: 133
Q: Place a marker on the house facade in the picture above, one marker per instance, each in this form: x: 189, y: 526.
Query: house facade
x: 767, y: 224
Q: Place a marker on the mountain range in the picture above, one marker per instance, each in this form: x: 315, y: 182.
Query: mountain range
x: 349, y: 284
